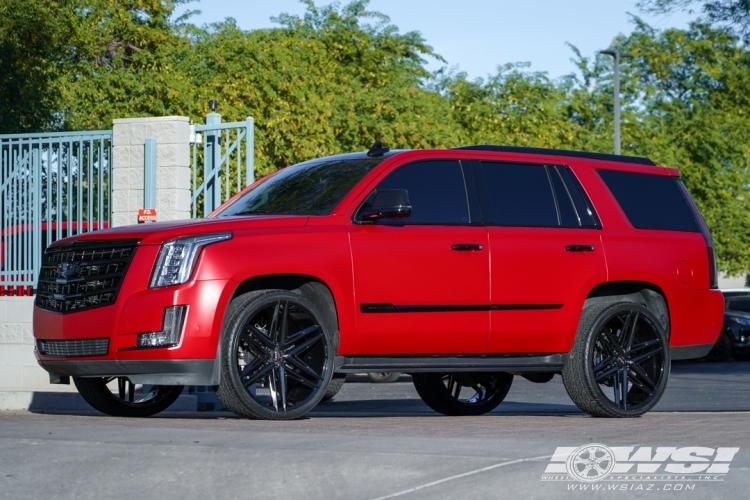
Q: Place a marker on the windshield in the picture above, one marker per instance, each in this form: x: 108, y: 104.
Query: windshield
x: 311, y: 188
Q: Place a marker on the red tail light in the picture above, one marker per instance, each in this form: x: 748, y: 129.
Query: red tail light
x: 712, y: 274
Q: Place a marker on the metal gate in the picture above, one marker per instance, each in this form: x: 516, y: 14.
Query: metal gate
x: 51, y: 186
x: 226, y: 152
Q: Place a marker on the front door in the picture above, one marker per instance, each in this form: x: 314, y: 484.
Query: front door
x: 422, y: 283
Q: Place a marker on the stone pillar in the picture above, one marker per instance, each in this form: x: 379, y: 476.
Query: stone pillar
x: 172, y: 134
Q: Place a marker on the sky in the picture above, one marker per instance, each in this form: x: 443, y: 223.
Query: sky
x: 476, y: 36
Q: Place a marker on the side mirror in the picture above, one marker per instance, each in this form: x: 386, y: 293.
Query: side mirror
x: 387, y: 204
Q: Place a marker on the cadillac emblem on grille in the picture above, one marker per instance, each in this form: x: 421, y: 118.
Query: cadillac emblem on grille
x: 70, y: 270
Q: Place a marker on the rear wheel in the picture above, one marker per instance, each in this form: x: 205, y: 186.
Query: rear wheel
x: 619, y: 363
x: 458, y: 394
x: 119, y: 397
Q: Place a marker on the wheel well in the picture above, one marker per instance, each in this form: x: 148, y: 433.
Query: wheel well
x: 309, y: 287
x: 647, y: 294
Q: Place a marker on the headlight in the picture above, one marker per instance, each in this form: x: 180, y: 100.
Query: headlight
x: 177, y: 259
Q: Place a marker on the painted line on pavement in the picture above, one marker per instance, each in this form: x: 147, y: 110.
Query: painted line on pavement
x: 459, y: 476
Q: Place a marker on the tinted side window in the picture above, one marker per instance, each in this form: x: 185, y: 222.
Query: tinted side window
x: 583, y: 207
x: 568, y: 215
x: 520, y: 195
x: 651, y: 201
x: 436, y: 191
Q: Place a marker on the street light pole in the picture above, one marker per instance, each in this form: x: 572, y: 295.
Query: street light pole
x: 617, y: 56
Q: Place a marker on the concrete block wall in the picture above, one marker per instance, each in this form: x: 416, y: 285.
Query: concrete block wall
x: 172, y: 134
x: 18, y: 366
x: 21, y: 377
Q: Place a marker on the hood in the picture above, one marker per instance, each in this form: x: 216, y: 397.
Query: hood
x: 737, y: 314
x: 156, y: 233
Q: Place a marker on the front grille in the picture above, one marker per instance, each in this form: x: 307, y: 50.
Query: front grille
x: 73, y: 348
x: 83, y: 275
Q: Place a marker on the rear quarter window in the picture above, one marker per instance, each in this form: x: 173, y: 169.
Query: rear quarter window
x: 651, y: 201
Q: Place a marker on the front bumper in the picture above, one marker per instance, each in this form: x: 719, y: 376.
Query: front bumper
x: 740, y: 336
x: 173, y: 372
x: 139, y: 309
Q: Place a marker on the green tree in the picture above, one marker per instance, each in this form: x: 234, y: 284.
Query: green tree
x: 329, y: 82
x: 733, y: 14
x: 513, y: 107
x: 685, y: 92
x: 73, y: 64
x: 29, y: 44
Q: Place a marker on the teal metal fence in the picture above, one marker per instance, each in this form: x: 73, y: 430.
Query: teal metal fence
x: 51, y: 186
x: 222, y: 162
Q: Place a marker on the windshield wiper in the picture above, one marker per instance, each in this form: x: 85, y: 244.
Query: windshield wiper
x: 252, y: 212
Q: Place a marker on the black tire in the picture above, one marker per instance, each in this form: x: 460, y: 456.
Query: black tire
x: 383, y: 378
x: 722, y: 349
x: 620, y: 349
x: 442, y: 391
x: 337, y: 382
x: 276, y: 356
x: 128, y: 402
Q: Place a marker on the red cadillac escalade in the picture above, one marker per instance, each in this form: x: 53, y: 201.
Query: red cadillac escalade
x: 462, y: 267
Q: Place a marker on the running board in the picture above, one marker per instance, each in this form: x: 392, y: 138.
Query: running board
x: 416, y: 364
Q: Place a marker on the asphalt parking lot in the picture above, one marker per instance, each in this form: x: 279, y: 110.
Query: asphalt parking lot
x: 377, y: 441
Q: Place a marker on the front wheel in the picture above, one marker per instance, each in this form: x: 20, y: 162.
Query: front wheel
x: 619, y: 363
x: 459, y: 394
x: 276, y: 356
x: 119, y: 397
x: 334, y: 387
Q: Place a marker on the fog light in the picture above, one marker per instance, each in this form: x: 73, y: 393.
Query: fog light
x: 171, y: 331
x: 743, y: 338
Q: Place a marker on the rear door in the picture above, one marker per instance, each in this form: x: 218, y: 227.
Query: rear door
x: 422, y: 283
x: 545, y: 255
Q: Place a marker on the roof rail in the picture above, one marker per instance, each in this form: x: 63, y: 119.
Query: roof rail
x: 561, y: 152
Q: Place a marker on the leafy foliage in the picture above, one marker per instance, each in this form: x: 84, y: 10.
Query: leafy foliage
x: 733, y: 14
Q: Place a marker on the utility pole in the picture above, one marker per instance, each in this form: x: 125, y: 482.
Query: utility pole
x: 617, y: 57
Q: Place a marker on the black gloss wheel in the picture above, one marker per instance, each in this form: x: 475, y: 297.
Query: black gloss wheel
x: 277, y: 356
x: 119, y: 397
x: 334, y: 387
x: 619, y: 363
x: 458, y: 394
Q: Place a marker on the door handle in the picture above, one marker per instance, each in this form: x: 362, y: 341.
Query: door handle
x: 580, y: 248
x: 466, y: 247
